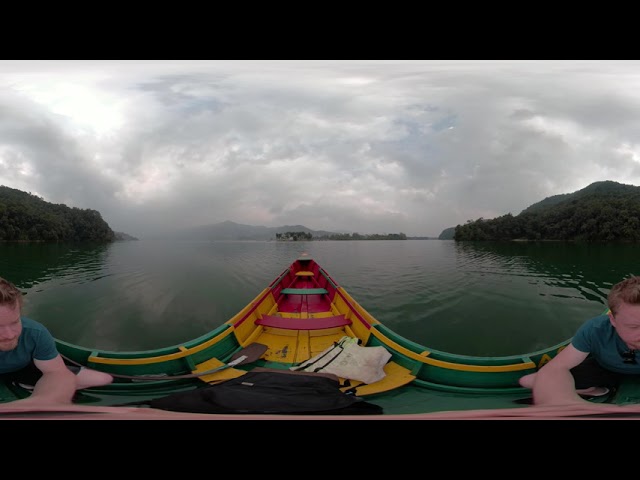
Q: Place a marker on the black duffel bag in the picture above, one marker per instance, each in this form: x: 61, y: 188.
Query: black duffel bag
x: 270, y: 392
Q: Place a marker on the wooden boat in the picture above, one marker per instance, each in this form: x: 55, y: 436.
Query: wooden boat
x: 301, y: 316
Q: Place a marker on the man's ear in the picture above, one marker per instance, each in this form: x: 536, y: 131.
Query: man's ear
x: 611, y: 319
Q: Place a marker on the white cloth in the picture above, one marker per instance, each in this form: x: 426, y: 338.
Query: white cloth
x: 347, y: 359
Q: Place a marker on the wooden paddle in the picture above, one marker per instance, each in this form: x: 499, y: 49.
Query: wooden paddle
x: 248, y: 354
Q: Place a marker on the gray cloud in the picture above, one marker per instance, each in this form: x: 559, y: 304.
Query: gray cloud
x: 366, y: 146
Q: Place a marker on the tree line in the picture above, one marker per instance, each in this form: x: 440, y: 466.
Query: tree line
x: 25, y: 217
x: 611, y: 214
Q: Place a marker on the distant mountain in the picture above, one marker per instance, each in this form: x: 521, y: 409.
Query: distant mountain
x: 604, y: 211
x: 235, y: 231
x: 121, y: 236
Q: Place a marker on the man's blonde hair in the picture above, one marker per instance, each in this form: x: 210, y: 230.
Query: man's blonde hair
x: 9, y: 293
x: 626, y: 291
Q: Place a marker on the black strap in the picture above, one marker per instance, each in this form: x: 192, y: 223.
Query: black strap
x: 316, y: 370
x: 303, y: 366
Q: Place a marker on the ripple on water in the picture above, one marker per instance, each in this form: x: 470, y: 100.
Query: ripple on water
x: 467, y: 298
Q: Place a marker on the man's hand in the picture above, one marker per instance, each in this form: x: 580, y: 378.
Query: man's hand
x: 554, y: 384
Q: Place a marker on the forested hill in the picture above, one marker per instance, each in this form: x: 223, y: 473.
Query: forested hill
x: 602, y: 212
x: 26, y: 217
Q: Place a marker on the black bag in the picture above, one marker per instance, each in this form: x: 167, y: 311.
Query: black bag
x: 269, y: 392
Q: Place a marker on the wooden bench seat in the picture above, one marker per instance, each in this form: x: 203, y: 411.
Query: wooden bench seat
x: 304, y: 291
x: 303, y: 323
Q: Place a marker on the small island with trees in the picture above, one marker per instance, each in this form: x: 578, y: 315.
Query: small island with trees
x: 307, y: 236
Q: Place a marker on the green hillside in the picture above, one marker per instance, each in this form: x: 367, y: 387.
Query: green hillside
x: 602, y: 212
x: 28, y: 218
x: 447, y: 234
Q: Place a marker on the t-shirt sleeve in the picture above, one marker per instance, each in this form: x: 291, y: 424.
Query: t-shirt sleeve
x: 582, y: 339
x: 45, y: 346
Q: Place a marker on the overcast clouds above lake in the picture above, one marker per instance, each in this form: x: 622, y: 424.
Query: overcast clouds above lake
x: 356, y: 146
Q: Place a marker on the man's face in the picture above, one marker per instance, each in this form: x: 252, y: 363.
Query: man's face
x: 627, y: 324
x: 10, y: 327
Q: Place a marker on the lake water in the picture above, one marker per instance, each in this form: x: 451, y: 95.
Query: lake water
x: 471, y: 298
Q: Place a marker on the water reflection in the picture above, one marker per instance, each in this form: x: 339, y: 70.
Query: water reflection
x: 469, y: 298
x: 582, y: 269
x: 27, y: 265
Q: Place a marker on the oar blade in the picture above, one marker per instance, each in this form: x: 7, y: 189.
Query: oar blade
x: 251, y: 353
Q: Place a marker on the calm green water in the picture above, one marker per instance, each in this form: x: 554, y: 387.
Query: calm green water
x: 467, y: 298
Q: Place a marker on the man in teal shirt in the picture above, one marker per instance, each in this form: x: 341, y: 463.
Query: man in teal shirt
x: 603, y: 350
x: 28, y: 355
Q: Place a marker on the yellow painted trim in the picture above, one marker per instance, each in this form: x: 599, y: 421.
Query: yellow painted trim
x: 424, y: 358
x: 254, y: 336
x: 212, y: 363
x: 162, y: 358
x: 349, y: 332
x: 396, y: 376
x: 543, y: 360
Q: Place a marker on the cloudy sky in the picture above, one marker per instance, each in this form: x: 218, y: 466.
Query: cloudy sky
x: 356, y: 146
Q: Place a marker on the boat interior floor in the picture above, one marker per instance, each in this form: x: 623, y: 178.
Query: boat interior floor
x: 292, y: 347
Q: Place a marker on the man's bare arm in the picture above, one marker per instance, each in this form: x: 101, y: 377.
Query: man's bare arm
x: 554, y: 384
x: 56, y: 386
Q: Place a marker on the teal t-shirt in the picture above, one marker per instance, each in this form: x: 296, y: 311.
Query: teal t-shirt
x: 35, y: 341
x: 598, y: 337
